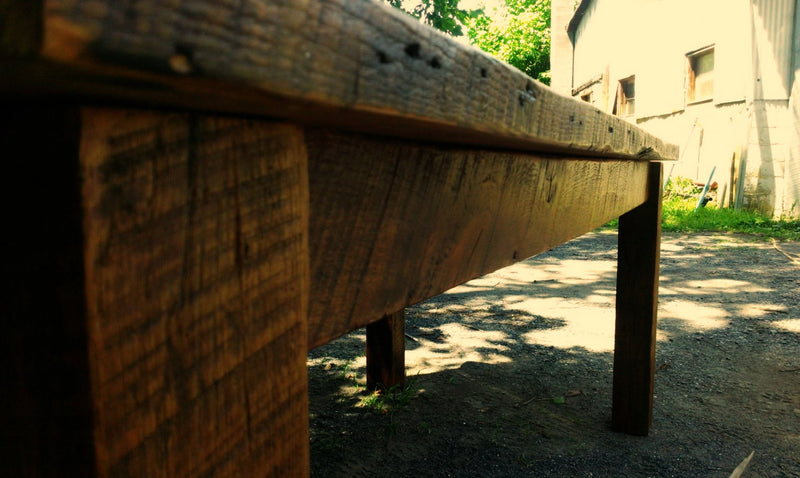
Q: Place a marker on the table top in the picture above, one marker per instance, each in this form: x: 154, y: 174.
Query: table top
x: 358, y: 65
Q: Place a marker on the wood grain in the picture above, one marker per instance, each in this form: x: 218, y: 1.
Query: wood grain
x: 157, y: 327
x: 637, y: 306
x: 355, y: 64
x: 393, y: 224
x: 196, y: 272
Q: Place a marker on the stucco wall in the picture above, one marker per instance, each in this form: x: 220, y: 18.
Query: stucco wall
x: 749, y: 122
x: 791, y: 204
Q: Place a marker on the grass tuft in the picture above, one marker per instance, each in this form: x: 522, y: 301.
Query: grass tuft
x: 398, y: 396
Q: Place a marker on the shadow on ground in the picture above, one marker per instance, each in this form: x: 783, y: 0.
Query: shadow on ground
x: 510, y: 374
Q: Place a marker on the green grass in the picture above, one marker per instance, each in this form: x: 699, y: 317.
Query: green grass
x: 398, y: 396
x: 679, y: 215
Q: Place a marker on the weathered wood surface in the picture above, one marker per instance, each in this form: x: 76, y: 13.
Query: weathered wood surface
x: 188, y: 264
x: 355, y: 64
x: 170, y: 270
x: 637, y: 304
x: 394, y: 223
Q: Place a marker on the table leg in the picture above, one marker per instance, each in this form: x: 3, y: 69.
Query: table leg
x: 156, y: 321
x: 637, y: 302
x: 386, y: 351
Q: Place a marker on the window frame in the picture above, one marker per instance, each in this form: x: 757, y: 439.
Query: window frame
x: 692, y: 58
x: 625, y: 106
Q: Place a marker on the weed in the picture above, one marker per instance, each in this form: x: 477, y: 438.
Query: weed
x: 385, y: 401
x: 424, y: 427
x: 345, y: 373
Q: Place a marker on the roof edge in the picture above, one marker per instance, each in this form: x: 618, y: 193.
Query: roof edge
x: 576, y: 19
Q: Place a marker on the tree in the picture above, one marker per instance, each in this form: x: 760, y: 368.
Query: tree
x: 519, y: 36
x: 518, y: 33
x: 444, y: 15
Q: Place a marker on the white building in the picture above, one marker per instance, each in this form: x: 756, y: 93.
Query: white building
x: 716, y: 77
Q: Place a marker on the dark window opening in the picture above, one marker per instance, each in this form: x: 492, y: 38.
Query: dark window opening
x: 626, y: 97
x: 700, y: 75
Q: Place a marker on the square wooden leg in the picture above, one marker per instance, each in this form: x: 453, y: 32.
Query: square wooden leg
x: 637, y: 302
x: 386, y: 347
x: 157, y: 325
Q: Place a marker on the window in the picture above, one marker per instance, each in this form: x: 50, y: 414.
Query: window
x: 589, y: 90
x: 626, y: 105
x: 700, y: 75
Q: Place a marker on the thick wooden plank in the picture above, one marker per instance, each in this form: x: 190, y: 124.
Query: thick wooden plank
x: 390, y: 232
x: 45, y: 405
x: 197, y: 289
x: 386, y: 348
x: 155, y: 325
x: 637, y: 304
x: 357, y: 64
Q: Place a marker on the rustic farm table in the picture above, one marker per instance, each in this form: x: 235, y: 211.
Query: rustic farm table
x: 198, y: 192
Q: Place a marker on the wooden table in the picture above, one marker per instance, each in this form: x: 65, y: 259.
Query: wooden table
x: 196, y: 193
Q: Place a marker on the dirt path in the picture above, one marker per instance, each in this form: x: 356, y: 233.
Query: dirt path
x: 510, y: 374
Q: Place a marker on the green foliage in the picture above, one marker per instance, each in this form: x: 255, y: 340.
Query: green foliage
x: 520, y: 36
x: 679, y: 215
x: 681, y: 187
x: 398, y: 396
x: 444, y: 15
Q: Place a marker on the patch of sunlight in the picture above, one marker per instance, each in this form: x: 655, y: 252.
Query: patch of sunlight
x: 472, y: 287
x: 663, y: 336
x: 463, y: 344
x: 577, y: 272
x: 789, y: 325
x: 671, y: 247
x: 519, y: 273
x: 759, y: 310
x: 665, y: 290
x: 716, y: 286
x: 585, y: 326
x: 693, y: 315
x: 448, y: 308
x: 514, y: 298
x: 607, y: 297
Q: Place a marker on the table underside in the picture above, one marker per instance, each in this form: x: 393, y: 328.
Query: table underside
x: 172, y: 270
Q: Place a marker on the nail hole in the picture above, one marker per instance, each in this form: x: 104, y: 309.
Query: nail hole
x: 521, y: 99
x: 435, y: 63
x: 412, y: 50
x: 610, y: 129
x: 484, y: 73
x: 383, y: 58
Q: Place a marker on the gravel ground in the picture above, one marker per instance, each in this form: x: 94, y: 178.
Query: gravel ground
x: 510, y: 374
